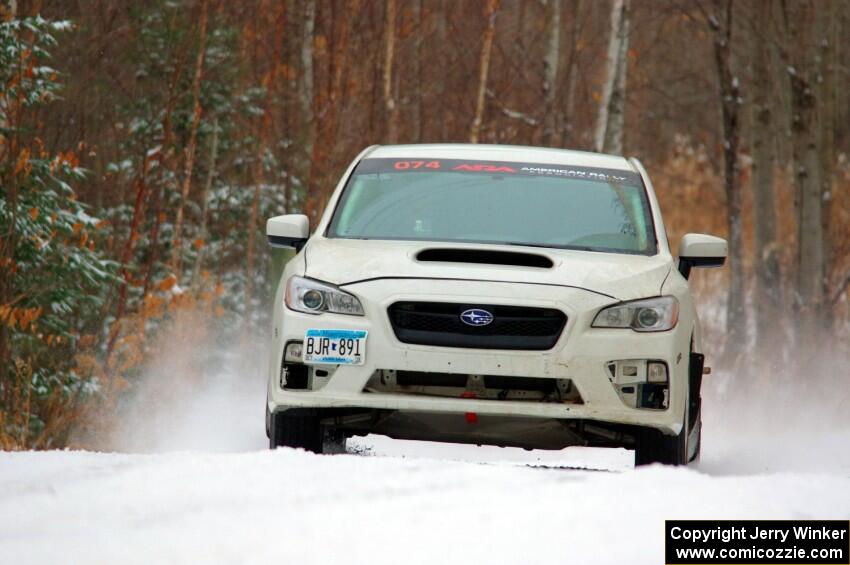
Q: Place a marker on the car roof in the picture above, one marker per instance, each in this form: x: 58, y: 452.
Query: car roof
x: 509, y: 153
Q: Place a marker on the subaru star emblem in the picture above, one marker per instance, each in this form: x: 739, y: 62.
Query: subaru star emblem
x: 476, y: 317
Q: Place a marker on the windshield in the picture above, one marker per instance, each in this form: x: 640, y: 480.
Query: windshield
x: 496, y: 202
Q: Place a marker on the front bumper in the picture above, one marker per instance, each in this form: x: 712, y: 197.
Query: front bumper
x: 581, y: 355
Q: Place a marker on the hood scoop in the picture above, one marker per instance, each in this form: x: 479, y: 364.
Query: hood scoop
x: 486, y: 257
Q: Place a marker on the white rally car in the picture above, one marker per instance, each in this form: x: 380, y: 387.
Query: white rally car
x: 489, y: 294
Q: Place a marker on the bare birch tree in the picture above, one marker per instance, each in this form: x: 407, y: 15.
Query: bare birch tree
x: 803, y: 75
x: 551, y: 63
x: 490, y: 11
x: 390, y: 105
x: 568, y: 116
x: 305, y: 88
x: 609, y: 123
x: 720, y: 22
x: 826, y: 30
x: 417, y: 111
x: 440, y: 39
x: 763, y: 142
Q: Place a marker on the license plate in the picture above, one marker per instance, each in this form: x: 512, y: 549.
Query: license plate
x: 335, y: 347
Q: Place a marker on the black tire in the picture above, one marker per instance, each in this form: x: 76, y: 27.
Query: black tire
x: 296, y: 428
x: 652, y: 446
x: 695, y: 440
x: 695, y: 366
x: 333, y: 442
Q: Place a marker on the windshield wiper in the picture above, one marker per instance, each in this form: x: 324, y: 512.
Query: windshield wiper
x: 547, y: 246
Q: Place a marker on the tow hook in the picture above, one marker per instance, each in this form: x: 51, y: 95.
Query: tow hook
x: 471, y: 417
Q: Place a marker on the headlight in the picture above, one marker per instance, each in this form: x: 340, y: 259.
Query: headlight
x: 314, y: 297
x: 649, y: 315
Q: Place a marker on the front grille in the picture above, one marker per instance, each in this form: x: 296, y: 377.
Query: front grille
x: 513, y: 327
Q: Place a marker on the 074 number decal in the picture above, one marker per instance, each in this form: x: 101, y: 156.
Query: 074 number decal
x: 404, y: 165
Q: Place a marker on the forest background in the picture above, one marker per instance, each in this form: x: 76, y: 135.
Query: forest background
x: 143, y: 145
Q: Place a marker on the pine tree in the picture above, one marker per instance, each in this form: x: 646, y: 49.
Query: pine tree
x: 51, y: 273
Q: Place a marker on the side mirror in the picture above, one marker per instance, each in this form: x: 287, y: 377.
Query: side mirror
x: 291, y: 230
x: 700, y: 250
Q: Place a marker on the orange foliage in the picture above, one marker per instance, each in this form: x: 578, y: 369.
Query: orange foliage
x: 22, y: 318
x: 68, y: 158
x: 167, y: 283
x: 23, y: 164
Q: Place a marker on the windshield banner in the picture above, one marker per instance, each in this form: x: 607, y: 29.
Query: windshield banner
x: 411, y: 165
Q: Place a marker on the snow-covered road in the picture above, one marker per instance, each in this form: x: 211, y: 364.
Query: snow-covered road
x: 496, y: 506
x: 203, y: 488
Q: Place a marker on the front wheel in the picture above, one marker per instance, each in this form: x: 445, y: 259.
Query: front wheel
x: 302, y: 429
x: 295, y: 428
x: 652, y: 446
x: 695, y: 440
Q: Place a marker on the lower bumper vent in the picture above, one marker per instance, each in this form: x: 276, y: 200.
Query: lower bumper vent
x: 485, y: 387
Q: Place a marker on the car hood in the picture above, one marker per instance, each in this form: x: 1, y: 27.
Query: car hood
x: 620, y: 276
